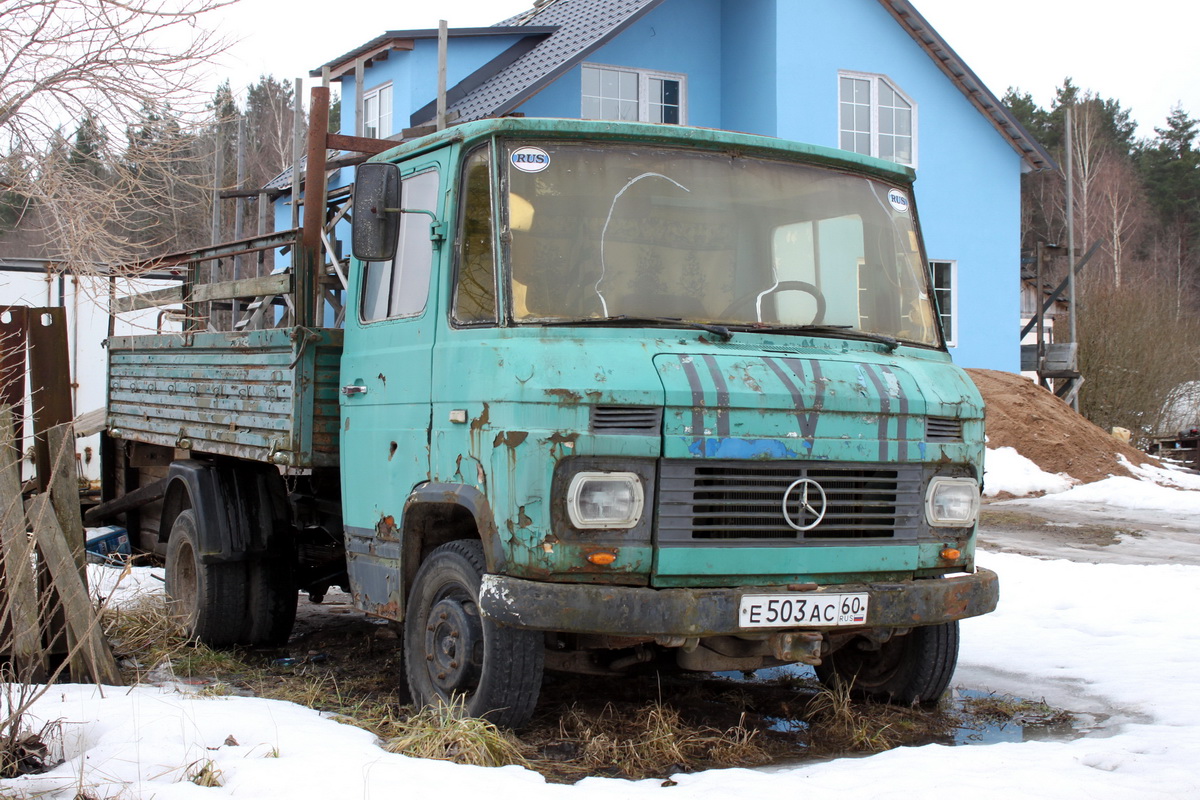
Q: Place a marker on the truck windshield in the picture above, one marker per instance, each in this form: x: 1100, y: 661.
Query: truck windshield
x: 617, y: 232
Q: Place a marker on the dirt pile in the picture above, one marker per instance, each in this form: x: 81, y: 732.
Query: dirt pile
x: 1022, y: 415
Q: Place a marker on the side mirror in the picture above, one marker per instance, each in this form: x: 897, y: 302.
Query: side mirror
x: 376, y: 217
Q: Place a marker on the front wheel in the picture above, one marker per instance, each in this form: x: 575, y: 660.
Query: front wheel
x: 454, y: 654
x: 904, y: 670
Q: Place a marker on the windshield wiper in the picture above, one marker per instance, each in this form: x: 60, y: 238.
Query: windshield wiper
x: 845, y: 331
x: 720, y: 331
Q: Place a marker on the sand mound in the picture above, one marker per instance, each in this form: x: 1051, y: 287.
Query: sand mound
x: 1022, y: 415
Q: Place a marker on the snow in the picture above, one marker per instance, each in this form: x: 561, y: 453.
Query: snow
x: 1006, y: 470
x: 1112, y: 639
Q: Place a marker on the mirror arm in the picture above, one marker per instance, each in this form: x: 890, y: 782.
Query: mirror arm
x: 437, y: 230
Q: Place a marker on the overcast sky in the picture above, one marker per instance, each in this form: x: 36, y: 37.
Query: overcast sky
x: 1143, y: 54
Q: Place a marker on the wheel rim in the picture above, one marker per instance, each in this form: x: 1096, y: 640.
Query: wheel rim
x: 184, y: 584
x: 454, y: 645
x: 871, y: 669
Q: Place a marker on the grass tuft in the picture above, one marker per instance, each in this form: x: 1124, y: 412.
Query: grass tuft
x: 444, y: 732
x: 204, y: 773
x: 1006, y: 708
x: 651, y: 740
x: 839, y: 724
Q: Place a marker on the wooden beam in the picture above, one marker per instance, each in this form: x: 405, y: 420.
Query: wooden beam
x: 127, y: 502
x: 359, y: 144
x: 338, y: 70
x: 20, y: 607
x: 64, y: 491
x: 64, y: 498
x: 159, y: 297
x: 280, y: 283
x: 82, y: 619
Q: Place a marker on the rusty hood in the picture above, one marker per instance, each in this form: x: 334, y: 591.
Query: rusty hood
x: 821, y: 404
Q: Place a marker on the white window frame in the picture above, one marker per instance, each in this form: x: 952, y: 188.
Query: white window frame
x: 376, y: 93
x: 644, y: 76
x: 947, y: 317
x: 875, y: 80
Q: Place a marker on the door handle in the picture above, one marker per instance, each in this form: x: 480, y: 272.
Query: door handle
x: 354, y: 389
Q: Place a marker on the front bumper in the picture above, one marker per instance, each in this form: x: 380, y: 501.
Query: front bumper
x: 635, y: 611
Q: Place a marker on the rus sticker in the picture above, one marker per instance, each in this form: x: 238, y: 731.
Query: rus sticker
x: 530, y: 159
x: 898, y: 199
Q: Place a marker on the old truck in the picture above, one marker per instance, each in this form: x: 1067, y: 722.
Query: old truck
x: 590, y: 396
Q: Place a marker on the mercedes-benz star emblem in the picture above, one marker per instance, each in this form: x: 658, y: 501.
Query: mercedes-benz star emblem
x: 810, y: 503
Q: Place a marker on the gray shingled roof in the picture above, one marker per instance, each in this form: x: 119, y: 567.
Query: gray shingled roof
x: 585, y: 25
x: 582, y: 27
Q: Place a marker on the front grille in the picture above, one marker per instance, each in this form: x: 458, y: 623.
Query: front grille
x: 719, y: 501
x: 943, y: 429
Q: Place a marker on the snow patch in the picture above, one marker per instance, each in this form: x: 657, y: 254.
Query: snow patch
x: 1006, y: 470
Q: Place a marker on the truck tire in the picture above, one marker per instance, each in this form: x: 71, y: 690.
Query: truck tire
x: 905, y: 670
x: 271, y: 601
x: 208, y: 599
x: 453, y: 654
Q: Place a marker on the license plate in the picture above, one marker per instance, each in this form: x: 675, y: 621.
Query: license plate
x: 811, y: 610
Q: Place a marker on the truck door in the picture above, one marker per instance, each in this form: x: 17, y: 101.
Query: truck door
x: 385, y: 402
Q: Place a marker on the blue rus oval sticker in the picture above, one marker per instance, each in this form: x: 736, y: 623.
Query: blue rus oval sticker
x: 530, y: 159
x: 898, y: 200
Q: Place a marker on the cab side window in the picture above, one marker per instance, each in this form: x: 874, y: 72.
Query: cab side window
x: 400, y: 287
x: 475, y: 292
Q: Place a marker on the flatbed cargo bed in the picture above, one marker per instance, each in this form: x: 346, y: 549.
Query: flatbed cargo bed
x: 264, y: 395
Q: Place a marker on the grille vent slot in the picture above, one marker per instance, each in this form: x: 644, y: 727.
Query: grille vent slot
x: 632, y: 420
x: 943, y: 429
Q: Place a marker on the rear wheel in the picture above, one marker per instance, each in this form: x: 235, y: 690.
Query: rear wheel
x: 209, y: 599
x: 271, y: 600
x: 454, y: 654
x: 913, y: 668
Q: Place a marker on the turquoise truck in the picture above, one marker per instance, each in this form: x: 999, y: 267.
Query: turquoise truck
x: 590, y: 396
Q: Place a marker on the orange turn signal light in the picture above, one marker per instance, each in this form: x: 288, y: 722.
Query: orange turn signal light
x: 602, y: 559
x: 950, y: 554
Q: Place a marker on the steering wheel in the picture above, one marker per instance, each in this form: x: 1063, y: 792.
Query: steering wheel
x: 783, y: 286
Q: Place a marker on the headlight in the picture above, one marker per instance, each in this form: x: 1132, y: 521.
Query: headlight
x: 605, y: 500
x: 952, y: 502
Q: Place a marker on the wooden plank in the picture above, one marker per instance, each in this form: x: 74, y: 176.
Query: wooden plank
x: 90, y: 422
x: 82, y: 619
x: 242, y: 405
x: 20, y: 607
x: 13, y: 335
x: 49, y: 382
x: 64, y: 492
x: 246, y: 287
x: 360, y: 144
x: 127, y: 502
x: 64, y: 498
x: 159, y: 297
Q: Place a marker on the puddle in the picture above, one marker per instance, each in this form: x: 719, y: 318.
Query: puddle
x: 974, y: 716
x: 990, y: 718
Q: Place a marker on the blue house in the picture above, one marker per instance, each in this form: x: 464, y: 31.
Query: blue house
x: 869, y: 76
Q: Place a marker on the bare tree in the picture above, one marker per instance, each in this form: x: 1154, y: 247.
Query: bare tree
x: 111, y: 62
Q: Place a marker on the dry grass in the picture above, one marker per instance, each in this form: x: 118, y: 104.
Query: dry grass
x: 1006, y: 708
x: 204, y: 773
x: 624, y: 735
x: 839, y: 724
x: 444, y: 732
x: 649, y: 740
x: 145, y: 636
